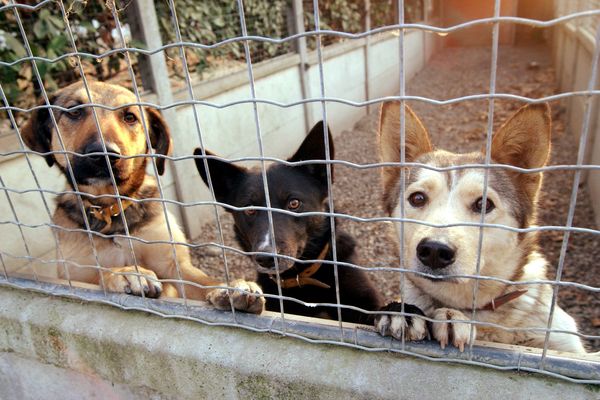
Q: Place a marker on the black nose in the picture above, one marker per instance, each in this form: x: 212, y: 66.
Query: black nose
x: 96, y: 147
x: 435, y: 254
x: 265, y: 261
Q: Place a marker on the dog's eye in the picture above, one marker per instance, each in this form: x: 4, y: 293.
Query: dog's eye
x: 250, y: 212
x: 478, y: 205
x: 74, y: 114
x: 417, y: 199
x: 294, y: 204
x: 130, y: 118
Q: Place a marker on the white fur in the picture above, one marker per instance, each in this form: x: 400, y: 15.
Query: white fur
x: 265, y: 243
x: 501, y: 255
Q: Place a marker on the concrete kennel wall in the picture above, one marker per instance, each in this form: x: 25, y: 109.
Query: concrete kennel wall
x: 53, y: 348
x: 460, y: 11
x: 573, y: 48
x: 229, y: 132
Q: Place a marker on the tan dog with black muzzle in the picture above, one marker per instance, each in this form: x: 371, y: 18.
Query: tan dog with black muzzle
x: 75, y: 146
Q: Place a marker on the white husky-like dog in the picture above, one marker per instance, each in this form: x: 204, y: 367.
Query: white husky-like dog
x: 436, y: 255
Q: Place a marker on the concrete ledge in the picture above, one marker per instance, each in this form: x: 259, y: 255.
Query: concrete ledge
x: 56, y: 348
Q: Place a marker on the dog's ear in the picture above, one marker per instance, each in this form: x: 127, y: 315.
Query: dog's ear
x: 313, y: 148
x: 223, y: 175
x: 524, y: 141
x: 37, y: 131
x: 160, y: 137
x: 416, y: 137
x: 416, y: 143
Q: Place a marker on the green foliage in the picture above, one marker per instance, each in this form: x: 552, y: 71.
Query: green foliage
x: 211, y: 21
x: 349, y: 15
x: 205, y: 21
x: 46, y: 33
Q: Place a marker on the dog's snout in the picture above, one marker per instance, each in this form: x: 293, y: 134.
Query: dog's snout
x: 265, y: 260
x: 112, y: 151
x: 435, y: 254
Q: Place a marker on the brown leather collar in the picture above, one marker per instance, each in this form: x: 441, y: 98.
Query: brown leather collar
x: 106, y: 213
x: 501, y: 300
x: 305, y: 277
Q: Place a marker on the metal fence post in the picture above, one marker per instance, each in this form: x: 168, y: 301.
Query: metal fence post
x: 297, y: 26
x: 143, y: 21
x: 367, y: 51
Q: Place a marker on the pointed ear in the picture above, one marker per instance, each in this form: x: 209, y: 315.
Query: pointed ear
x: 416, y: 140
x: 37, y: 131
x: 416, y: 137
x: 313, y: 148
x: 223, y: 175
x: 160, y: 137
x: 524, y: 141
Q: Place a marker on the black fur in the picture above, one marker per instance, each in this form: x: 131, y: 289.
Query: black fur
x: 396, y: 307
x: 303, y: 238
x: 356, y: 288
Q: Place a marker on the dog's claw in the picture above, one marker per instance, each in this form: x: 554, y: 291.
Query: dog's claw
x: 443, y: 330
x: 249, y: 299
x: 411, y: 327
x: 126, y: 280
x: 383, y: 326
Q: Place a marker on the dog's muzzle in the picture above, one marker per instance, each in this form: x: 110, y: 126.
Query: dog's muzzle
x: 436, y: 258
x: 435, y: 255
x: 265, y: 263
x: 92, y: 164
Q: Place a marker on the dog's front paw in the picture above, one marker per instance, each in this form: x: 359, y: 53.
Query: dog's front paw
x: 127, y: 280
x: 250, y: 300
x: 444, y: 331
x: 411, y: 326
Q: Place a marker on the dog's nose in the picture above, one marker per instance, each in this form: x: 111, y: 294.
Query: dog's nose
x: 96, y: 147
x: 435, y: 254
x: 265, y: 261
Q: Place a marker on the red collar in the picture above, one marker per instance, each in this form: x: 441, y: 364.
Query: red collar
x: 501, y: 300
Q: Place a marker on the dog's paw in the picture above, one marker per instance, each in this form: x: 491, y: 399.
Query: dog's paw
x: 411, y: 326
x: 457, y: 332
x: 127, y: 280
x: 250, y: 300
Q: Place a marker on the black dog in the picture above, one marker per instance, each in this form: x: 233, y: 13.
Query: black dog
x: 301, y: 188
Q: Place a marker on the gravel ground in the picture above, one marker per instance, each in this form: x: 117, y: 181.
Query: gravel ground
x: 461, y: 127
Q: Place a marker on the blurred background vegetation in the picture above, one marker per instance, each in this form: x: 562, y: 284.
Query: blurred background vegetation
x: 208, y: 21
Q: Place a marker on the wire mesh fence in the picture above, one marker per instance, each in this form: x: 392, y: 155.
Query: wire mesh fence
x: 240, y: 35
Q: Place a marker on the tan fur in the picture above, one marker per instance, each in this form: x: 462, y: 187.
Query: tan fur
x: 155, y: 261
x: 523, y: 141
x: 416, y: 142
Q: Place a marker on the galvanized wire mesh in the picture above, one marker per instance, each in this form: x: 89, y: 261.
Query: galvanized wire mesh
x: 583, y: 371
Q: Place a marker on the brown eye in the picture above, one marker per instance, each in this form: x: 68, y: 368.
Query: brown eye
x: 417, y: 199
x: 250, y: 212
x: 74, y: 114
x: 294, y: 204
x: 130, y: 118
x: 478, y: 205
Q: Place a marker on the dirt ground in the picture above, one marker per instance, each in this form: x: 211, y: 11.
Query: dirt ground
x: 461, y: 127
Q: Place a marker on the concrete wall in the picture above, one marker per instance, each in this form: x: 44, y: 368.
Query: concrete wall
x: 229, y: 132
x: 573, y: 48
x: 54, y: 348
